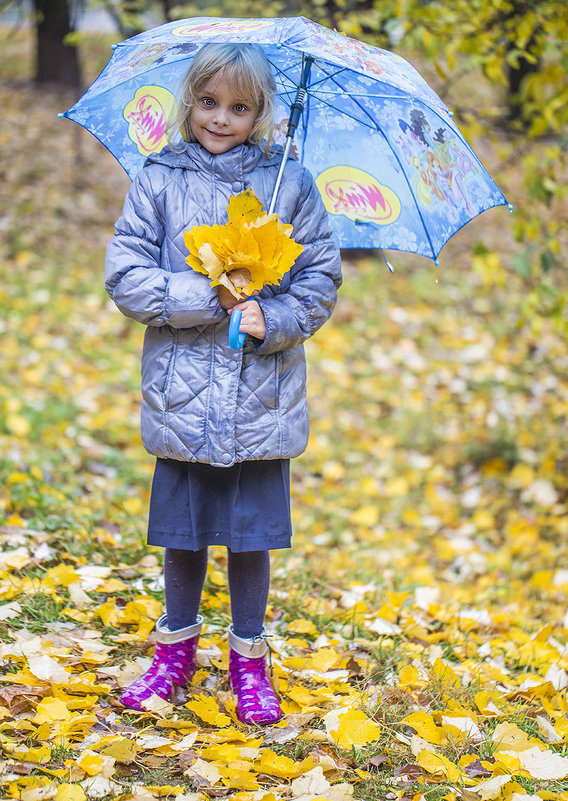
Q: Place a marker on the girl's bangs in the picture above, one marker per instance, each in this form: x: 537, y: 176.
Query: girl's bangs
x: 244, y: 83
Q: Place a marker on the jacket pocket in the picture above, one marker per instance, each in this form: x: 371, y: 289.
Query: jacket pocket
x: 171, y: 363
x: 259, y: 383
x: 157, y: 364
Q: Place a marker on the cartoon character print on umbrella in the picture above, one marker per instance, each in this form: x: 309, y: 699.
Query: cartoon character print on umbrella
x: 441, y: 168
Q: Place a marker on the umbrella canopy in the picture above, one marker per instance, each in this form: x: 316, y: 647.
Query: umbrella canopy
x: 393, y: 169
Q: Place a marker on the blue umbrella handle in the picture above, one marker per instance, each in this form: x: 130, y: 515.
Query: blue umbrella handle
x: 236, y: 337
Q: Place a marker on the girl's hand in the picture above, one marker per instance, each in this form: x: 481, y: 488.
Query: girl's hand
x: 226, y: 299
x: 252, y: 321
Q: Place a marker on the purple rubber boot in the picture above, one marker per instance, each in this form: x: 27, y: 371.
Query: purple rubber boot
x: 248, y: 676
x: 172, y: 667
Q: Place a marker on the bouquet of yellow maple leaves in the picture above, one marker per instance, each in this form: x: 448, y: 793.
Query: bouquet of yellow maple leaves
x: 250, y: 250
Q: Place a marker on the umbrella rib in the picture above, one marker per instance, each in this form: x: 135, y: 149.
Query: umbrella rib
x: 365, y: 95
x: 311, y: 94
x: 328, y: 104
x: 395, y: 154
x: 280, y: 71
x: 319, y: 93
x: 327, y: 76
x: 346, y: 114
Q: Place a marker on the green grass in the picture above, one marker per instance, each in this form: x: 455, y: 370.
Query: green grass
x: 406, y: 420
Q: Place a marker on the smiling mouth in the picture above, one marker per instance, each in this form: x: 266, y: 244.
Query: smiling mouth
x: 220, y: 135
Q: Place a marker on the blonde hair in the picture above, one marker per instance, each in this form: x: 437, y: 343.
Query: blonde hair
x: 247, y: 71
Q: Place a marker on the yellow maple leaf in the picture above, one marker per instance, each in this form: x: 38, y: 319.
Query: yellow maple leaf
x: 39, y: 792
x: 425, y: 727
x: 38, y: 755
x: 349, y: 727
x: 244, y: 208
x: 445, y: 673
x: 207, y: 708
x: 108, y: 612
x: 70, y: 792
x: 488, y: 702
x: 438, y: 764
x: 93, y: 763
x: 302, y: 626
x: 221, y: 752
x: 51, y: 709
x: 122, y: 749
x: 233, y: 735
x: 509, y: 737
x: 252, y: 249
x: 237, y: 778
x: 63, y: 575
x: 409, y: 676
x: 323, y: 659
x: 302, y: 697
x: 282, y: 767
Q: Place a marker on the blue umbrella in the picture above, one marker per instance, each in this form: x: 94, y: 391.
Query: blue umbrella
x: 392, y: 167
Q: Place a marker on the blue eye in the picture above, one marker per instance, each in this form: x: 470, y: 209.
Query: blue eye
x: 208, y: 101
x: 240, y: 107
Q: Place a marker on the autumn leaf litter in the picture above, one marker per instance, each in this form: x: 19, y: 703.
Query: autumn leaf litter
x: 418, y: 626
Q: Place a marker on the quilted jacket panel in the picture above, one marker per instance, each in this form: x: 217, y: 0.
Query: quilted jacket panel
x: 203, y: 401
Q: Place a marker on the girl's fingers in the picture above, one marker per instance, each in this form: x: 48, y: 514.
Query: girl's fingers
x: 252, y: 321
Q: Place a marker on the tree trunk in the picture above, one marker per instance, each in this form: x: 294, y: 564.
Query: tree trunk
x: 56, y: 62
x: 516, y: 75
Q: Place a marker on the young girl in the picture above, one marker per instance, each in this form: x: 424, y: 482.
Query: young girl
x: 223, y: 424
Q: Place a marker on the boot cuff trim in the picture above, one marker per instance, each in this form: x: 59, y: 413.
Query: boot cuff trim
x: 253, y: 647
x: 164, y: 635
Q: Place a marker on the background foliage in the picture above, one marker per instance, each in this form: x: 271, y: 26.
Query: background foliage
x: 427, y: 583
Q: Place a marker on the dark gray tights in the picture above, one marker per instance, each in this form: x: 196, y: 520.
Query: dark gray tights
x: 249, y: 582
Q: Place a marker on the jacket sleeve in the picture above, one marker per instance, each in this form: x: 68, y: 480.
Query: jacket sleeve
x: 296, y: 314
x: 135, y: 278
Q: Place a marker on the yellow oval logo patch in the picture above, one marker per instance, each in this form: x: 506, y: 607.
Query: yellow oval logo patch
x: 147, y: 115
x: 357, y: 195
x: 227, y: 26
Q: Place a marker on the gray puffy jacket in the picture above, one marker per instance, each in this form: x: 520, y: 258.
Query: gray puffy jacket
x: 202, y: 401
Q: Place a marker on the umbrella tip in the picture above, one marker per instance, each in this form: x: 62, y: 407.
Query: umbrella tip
x: 113, y: 46
x: 510, y: 206
x: 61, y: 114
x: 387, y: 262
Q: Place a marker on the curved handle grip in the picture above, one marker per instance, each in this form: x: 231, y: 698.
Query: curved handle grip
x: 236, y: 337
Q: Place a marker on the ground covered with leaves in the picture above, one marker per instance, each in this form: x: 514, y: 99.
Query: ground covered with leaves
x: 419, y: 625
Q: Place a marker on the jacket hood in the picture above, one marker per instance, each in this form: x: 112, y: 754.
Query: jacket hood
x: 195, y: 157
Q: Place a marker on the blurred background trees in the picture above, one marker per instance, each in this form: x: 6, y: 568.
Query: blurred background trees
x: 500, y: 64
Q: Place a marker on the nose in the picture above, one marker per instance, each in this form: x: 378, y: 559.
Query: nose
x: 220, y: 117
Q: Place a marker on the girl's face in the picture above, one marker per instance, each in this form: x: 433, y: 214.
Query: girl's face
x: 221, y: 119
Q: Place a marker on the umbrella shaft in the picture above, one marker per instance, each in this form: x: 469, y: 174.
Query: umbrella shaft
x: 296, y: 111
x: 287, y: 147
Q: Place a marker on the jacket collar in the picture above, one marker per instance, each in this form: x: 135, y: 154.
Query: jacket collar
x: 225, y: 166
